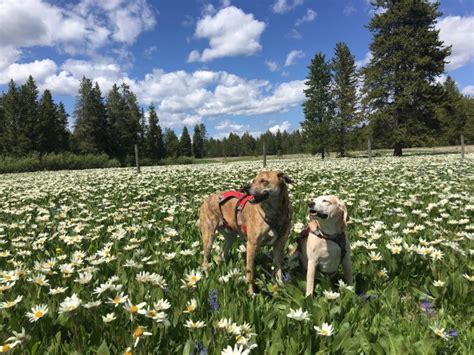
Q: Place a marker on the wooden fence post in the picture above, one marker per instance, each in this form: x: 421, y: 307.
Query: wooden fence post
x: 137, y: 163
x: 462, y: 146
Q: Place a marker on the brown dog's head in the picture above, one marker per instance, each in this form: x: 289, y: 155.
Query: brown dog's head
x: 330, y: 212
x: 268, y: 183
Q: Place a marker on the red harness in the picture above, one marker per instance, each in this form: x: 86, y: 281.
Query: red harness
x: 242, y: 198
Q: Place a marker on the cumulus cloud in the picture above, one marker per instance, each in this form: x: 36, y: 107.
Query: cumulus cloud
x: 293, y: 56
x: 230, y: 32
x: 284, y: 126
x: 82, y: 28
x: 364, y: 61
x: 271, y: 65
x: 309, y: 16
x: 39, y: 69
x: 458, y: 31
x: 282, y: 6
x: 468, y: 90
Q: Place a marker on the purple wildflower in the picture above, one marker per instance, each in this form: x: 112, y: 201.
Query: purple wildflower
x: 453, y: 333
x: 213, y: 300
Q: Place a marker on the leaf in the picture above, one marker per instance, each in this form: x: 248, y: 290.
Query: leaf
x: 103, y: 349
x: 187, y: 347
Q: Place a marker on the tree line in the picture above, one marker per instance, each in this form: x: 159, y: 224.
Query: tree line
x: 395, y: 100
x: 113, y: 125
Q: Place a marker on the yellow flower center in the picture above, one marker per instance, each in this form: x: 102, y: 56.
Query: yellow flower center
x: 117, y: 299
x: 138, y: 332
x: 194, y: 278
x: 5, y: 348
x: 152, y: 313
x: 134, y: 309
x: 39, y: 314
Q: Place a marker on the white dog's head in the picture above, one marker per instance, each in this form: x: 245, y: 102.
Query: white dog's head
x: 330, y: 212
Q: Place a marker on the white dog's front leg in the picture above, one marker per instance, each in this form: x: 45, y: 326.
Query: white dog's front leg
x: 347, y: 269
x: 310, y: 275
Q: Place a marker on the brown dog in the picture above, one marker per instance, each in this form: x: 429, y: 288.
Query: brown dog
x: 323, y: 246
x: 266, y: 220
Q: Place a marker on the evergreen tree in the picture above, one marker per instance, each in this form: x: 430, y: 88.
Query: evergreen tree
x: 451, y: 114
x: 27, y: 117
x: 13, y: 137
x: 154, y: 136
x: 115, y: 113
x: 318, y: 105
x: 185, y: 146
x: 249, y: 144
x: 48, y: 130
x: 344, y: 96
x: 2, y: 126
x: 90, y: 132
x: 198, y: 143
x: 400, y: 88
x: 171, y: 143
x: 63, y: 130
x: 204, y: 140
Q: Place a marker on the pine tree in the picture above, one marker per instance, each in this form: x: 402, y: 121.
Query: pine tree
x: 204, y: 140
x: 451, y: 114
x: 154, y: 136
x: 90, y: 132
x: 63, y: 130
x: 318, y: 105
x: 115, y: 111
x: 400, y: 88
x: 13, y: 137
x: 344, y: 96
x: 198, y: 143
x: 48, y: 130
x: 2, y: 126
x: 185, y: 146
x: 27, y: 139
x: 171, y: 144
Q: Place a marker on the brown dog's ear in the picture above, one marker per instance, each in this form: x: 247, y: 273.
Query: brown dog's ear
x: 282, y: 176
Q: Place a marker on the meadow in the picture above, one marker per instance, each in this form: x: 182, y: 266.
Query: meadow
x: 108, y: 261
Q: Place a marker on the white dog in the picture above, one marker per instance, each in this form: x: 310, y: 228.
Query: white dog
x: 323, y: 245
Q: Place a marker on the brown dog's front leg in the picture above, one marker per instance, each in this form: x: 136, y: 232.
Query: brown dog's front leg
x: 278, y: 248
x: 251, y: 250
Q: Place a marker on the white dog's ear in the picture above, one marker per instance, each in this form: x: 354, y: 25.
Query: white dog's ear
x: 344, y: 215
x: 282, y: 176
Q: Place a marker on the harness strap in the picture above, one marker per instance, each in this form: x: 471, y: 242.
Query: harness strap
x: 243, y: 198
x: 339, y: 239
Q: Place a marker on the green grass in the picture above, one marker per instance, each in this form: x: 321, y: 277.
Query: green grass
x: 116, y: 224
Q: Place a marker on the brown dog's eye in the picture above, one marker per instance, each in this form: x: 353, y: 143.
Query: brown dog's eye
x: 264, y: 182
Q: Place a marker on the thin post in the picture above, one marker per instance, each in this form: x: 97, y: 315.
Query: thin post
x: 462, y: 146
x: 137, y: 162
x: 370, y: 150
x: 264, y: 156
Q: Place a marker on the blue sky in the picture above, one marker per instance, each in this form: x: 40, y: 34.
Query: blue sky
x: 232, y: 65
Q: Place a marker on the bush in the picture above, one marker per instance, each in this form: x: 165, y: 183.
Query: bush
x: 56, y: 161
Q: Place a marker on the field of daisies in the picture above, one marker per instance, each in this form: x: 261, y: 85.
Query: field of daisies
x: 108, y: 261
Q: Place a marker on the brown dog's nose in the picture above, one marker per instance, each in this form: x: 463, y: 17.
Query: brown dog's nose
x: 311, y: 204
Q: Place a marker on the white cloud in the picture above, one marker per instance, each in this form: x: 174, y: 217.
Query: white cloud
x: 293, y: 56
x: 39, y: 69
x: 271, y: 65
x: 294, y: 34
x: 363, y: 62
x: 230, y: 32
x: 284, y: 126
x: 79, y: 29
x: 282, y: 6
x: 468, y: 90
x: 309, y: 16
x: 458, y: 31
x: 61, y: 84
